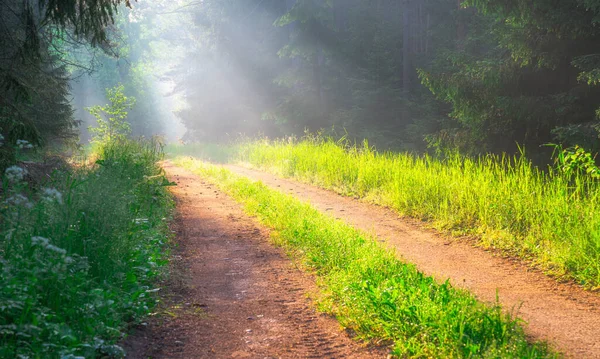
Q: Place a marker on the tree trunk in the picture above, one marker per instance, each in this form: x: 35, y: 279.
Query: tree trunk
x: 289, y: 5
x: 461, y: 28
x: 406, y: 48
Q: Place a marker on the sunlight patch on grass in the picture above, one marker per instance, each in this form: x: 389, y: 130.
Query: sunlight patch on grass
x: 505, y: 202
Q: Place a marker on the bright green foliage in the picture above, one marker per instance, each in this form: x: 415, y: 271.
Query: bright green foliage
x: 112, y: 125
x: 547, y: 217
x: 370, y: 291
x: 576, y: 161
x: 79, y: 257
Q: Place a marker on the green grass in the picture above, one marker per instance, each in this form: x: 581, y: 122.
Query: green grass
x: 369, y: 290
x: 508, y: 204
x: 80, y: 254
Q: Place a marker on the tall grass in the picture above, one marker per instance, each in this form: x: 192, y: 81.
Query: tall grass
x: 80, y: 254
x: 370, y: 290
x: 506, y: 202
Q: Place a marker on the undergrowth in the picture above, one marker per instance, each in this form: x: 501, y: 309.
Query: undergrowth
x: 549, y: 217
x: 370, y: 291
x: 80, y: 254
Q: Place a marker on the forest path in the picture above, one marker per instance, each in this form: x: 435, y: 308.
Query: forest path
x: 563, y: 314
x: 234, y: 295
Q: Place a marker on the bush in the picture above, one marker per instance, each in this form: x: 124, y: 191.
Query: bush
x: 79, y: 257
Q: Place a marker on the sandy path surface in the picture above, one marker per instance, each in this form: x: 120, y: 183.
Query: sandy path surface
x: 563, y: 314
x: 239, y: 297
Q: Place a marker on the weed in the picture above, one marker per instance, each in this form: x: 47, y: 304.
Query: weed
x: 79, y: 258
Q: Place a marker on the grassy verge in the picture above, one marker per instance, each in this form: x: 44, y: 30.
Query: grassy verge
x: 80, y: 254
x: 507, y: 203
x: 372, y: 292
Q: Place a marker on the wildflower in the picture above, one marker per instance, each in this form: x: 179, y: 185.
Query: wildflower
x: 45, y: 243
x: 19, y: 200
x: 140, y: 220
x: 52, y: 194
x: 9, y: 234
x: 56, y: 249
x: 15, y: 173
x: 24, y: 144
x: 71, y: 356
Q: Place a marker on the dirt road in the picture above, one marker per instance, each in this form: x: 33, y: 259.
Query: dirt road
x: 240, y: 297
x: 563, y: 314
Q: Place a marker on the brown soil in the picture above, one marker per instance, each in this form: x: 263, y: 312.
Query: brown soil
x: 563, y: 314
x: 235, y: 295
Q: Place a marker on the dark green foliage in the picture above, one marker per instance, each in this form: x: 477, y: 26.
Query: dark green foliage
x: 33, y: 83
x: 88, y: 19
x: 34, y: 89
x: 525, y: 73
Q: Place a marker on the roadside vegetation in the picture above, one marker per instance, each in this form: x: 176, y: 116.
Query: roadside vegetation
x: 372, y: 292
x: 81, y: 249
x: 547, y: 217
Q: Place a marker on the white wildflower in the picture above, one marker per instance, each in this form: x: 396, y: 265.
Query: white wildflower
x: 56, y: 249
x: 52, y: 194
x: 15, y: 173
x: 19, y: 200
x: 45, y: 243
x: 140, y: 220
x: 9, y: 234
x: 24, y: 144
x: 41, y: 241
x: 71, y: 356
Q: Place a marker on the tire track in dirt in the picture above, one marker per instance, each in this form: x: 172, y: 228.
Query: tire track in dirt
x: 235, y: 295
x: 563, y: 314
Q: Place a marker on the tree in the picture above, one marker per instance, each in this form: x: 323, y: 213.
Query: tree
x: 34, y: 94
x: 525, y: 74
x: 111, y: 118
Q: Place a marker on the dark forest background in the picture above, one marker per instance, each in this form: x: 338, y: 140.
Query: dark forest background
x: 474, y: 75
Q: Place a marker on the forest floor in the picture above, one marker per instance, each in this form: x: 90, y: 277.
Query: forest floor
x: 232, y: 294
x: 242, y: 298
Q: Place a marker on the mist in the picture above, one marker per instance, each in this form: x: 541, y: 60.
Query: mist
x: 418, y: 76
x: 150, y: 149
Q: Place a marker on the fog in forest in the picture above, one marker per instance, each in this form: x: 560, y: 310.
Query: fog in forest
x: 418, y: 75
x: 143, y: 145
